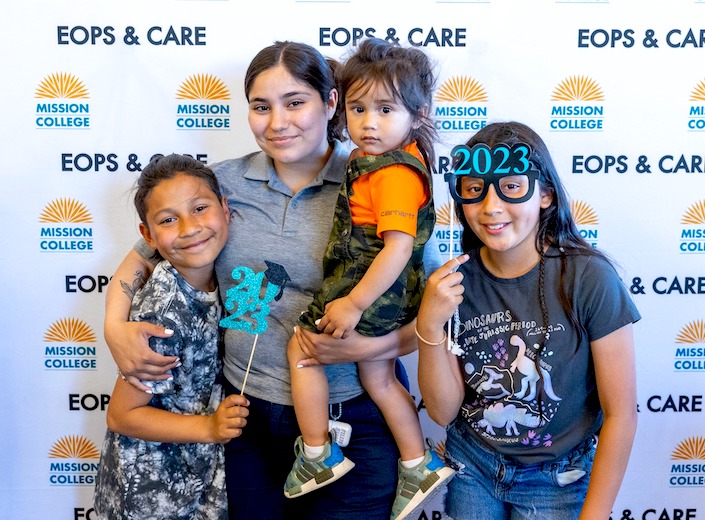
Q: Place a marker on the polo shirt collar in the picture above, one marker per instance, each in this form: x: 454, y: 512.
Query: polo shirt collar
x: 333, y: 171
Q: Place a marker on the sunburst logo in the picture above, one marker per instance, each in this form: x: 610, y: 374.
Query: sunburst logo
x: 73, y: 238
x: 698, y: 93
x: 203, y: 86
x: 66, y: 210
x: 693, y: 448
x: 586, y: 220
x: 583, y: 214
x: 695, y: 214
x: 691, y: 473
x: 460, y: 89
x: 439, y: 447
x: 61, y: 85
x: 693, y: 332
x: 577, y: 105
x: 79, y: 471
x: 70, y: 346
x: 696, y: 119
x: 578, y: 88
x: 460, y: 105
x: 203, y: 112
x: 73, y: 447
x: 445, y: 215
x: 69, y: 330
x: 69, y: 113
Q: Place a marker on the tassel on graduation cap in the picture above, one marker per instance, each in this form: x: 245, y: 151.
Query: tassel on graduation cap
x: 277, y: 275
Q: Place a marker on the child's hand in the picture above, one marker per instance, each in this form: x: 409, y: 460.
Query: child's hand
x: 229, y: 419
x: 341, y: 318
x: 442, y: 295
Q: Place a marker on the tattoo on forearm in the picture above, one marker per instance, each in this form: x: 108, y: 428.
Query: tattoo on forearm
x: 130, y: 290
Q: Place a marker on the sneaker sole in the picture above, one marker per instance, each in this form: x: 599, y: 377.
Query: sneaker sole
x: 335, y: 473
x: 444, y: 475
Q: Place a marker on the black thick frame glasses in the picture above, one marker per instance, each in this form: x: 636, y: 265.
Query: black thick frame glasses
x: 455, y: 184
x: 509, y: 170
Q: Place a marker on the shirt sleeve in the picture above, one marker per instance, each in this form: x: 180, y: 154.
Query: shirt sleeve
x: 397, y: 194
x: 607, y: 305
x: 144, y: 250
x: 150, y: 305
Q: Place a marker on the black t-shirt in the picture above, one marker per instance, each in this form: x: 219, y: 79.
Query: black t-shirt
x: 500, y: 328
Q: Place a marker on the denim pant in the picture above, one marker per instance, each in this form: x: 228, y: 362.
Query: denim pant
x: 257, y: 463
x: 490, y: 486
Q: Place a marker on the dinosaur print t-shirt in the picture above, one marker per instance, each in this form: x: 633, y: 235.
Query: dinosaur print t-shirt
x: 535, y: 414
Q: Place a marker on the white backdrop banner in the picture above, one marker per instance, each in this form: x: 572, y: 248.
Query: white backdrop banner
x: 93, y: 89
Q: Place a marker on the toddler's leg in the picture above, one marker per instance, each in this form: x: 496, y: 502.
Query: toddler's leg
x: 421, y: 472
x: 396, y: 404
x: 319, y: 462
x: 309, y: 390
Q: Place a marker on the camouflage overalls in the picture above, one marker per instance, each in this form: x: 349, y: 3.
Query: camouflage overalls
x: 351, y: 250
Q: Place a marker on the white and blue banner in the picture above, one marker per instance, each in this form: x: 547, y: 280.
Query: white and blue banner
x: 93, y: 89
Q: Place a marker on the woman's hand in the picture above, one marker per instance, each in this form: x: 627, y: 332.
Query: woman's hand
x: 129, y: 345
x: 324, y: 349
x: 129, y: 341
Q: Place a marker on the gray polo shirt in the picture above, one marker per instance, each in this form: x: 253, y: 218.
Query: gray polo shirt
x: 270, y: 223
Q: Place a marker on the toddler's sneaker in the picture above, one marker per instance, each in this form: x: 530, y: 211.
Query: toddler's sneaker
x: 309, y: 475
x: 417, y: 484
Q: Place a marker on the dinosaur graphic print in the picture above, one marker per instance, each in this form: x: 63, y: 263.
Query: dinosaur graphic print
x: 515, y: 395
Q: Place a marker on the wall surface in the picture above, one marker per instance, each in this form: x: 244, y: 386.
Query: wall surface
x: 93, y: 89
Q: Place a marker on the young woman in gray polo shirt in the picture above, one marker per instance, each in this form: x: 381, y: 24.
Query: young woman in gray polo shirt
x: 282, y: 201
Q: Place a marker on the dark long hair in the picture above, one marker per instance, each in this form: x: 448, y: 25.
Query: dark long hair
x: 408, y: 75
x: 556, y: 225
x: 305, y: 64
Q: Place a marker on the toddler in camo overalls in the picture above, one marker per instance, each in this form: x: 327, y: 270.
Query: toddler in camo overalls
x: 373, y: 268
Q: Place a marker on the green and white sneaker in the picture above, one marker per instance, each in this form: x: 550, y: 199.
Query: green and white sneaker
x: 309, y: 475
x: 418, y: 484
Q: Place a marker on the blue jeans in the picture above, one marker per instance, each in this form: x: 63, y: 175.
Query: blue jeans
x: 490, y: 486
x: 257, y: 463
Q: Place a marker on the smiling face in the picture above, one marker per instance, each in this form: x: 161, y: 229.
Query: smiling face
x: 508, y: 231
x: 376, y: 121
x: 289, y: 120
x: 188, y: 225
